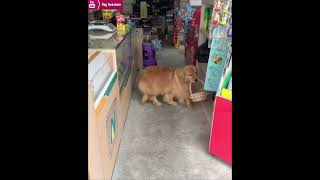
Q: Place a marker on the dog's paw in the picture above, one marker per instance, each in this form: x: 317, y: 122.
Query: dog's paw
x: 174, y: 103
x: 157, y: 103
x: 182, y: 102
x: 189, y: 106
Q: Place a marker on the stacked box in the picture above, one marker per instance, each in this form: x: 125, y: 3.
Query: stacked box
x: 127, y: 8
x: 143, y: 9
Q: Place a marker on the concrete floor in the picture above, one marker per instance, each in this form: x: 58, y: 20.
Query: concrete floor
x: 168, y: 142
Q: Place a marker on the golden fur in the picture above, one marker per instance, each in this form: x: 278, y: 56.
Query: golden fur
x: 167, y: 81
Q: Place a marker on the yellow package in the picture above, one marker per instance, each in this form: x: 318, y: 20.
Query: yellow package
x: 121, y: 29
x: 106, y: 14
x: 226, y: 93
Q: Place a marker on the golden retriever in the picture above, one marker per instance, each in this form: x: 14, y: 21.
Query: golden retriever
x: 167, y: 81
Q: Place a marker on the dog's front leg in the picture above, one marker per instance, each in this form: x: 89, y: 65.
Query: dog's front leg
x: 181, y: 100
x: 155, y: 101
x: 168, y: 98
x: 189, y: 105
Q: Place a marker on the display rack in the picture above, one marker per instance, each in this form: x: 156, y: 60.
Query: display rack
x: 204, y: 34
x: 220, y: 143
x: 192, y: 38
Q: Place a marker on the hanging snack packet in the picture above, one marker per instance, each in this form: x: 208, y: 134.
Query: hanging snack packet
x: 230, y: 8
x: 226, y: 7
x: 217, y: 6
x: 216, y: 19
x: 224, y: 19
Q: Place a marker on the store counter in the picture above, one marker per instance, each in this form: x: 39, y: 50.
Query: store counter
x: 113, y: 107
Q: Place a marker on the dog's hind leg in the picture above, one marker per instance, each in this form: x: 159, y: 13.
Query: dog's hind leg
x: 155, y: 101
x: 145, y: 98
x: 168, y: 98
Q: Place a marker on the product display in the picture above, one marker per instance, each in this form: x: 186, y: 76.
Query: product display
x: 186, y: 13
x: 207, y: 18
x: 220, y: 44
x: 221, y: 132
x: 149, y: 55
x: 192, y: 38
x: 217, y: 59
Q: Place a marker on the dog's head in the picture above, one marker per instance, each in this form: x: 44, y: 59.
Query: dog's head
x: 189, y: 74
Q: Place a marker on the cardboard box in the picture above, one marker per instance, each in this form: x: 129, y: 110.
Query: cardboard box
x: 147, y: 31
x: 154, y: 30
x: 163, y: 24
x: 102, y: 152
x: 146, y: 37
x: 98, y: 15
x: 154, y: 37
x: 106, y: 121
x: 143, y: 9
x: 127, y: 8
x: 90, y: 17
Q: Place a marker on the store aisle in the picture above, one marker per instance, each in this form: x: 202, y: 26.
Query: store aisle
x: 167, y: 142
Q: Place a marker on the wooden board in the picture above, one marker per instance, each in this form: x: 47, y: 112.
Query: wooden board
x: 125, y: 98
x: 137, y: 40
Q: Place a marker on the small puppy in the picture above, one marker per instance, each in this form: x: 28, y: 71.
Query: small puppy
x: 167, y: 81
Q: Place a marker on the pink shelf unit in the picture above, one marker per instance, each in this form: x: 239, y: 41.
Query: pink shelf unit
x: 220, y: 143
